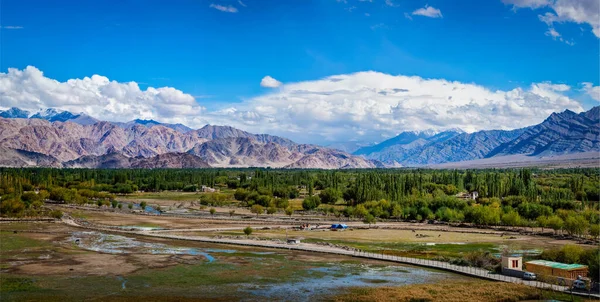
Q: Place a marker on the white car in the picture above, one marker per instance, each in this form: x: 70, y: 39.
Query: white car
x: 529, y: 276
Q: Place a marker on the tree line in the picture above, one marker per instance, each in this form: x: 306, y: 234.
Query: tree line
x: 564, y: 200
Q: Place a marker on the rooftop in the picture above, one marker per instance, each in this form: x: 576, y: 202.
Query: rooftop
x: 557, y: 264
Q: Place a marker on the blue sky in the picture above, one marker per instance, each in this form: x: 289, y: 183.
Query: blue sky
x: 220, y: 57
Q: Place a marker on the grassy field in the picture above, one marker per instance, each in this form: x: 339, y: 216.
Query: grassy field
x: 471, y: 291
x: 50, y: 267
x: 429, y: 244
x: 167, y: 195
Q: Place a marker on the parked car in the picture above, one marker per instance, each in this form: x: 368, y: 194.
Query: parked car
x: 529, y: 276
x: 579, y: 284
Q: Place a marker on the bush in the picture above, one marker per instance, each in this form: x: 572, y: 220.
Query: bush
x: 257, y: 209
x: 311, y: 203
x: 56, y: 214
x: 190, y: 188
x: 248, y: 231
x: 330, y: 195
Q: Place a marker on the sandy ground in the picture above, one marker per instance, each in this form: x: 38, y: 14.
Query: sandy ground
x: 88, y: 264
x: 380, y: 232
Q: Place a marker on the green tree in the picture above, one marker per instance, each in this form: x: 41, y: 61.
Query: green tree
x: 311, y: 202
x: 595, y: 231
x: 143, y: 205
x: 576, y: 225
x: 511, y: 218
x: 271, y: 210
x: 330, y: 195
x: 282, y: 203
x: 120, y: 205
x: 241, y: 194
x: 130, y: 206
x: 289, y: 211
x: 257, y: 209
x: 248, y: 231
x: 114, y: 203
x: 542, y: 221
x: 56, y: 214
x: 360, y: 211
x: 555, y: 223
x: 12, y: 207
x: 212, y: 211
x: 369, y: 219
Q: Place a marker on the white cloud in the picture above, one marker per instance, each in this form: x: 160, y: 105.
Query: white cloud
x: 362, y: 106
x: 269, y: 82
x: 592, y: 91
x: 242, y: 3
x: 407, y: 16
x: 557, y: 36
x: 390, y: 3
x: 337, y: 108
x: 528, y: 3
x: 96, y: 96
x: 227, y: 9
x: 428, y: 11
x: 577, y: 11
x: 552, y: 33
x: 11, y: 27
x: 378, y: 26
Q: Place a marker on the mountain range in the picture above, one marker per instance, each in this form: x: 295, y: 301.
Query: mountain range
x: 47, y: 140
x: 561, y: 133
x: 56, y: 138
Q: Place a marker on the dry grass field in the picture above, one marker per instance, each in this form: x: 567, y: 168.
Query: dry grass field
x: 465, y: 291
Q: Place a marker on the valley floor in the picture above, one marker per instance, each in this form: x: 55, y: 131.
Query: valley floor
x: 122, y: 257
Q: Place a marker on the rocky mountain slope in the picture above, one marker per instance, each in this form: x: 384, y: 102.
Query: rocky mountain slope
x: 149, y: 123
x: 561, y: 133
x: 53, y: 138
x: 21, y: 159
x: 108, y: 145
x: 118, y: 160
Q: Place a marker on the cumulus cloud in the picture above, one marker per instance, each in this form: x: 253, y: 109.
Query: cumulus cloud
x: 363, y: 106
x: 227, y: 9
x: 428, y: 11
x: 576, y: 11
x: 96, y: 96
x: 269, y: 82
x: 340, y: 107
x: 592, y: 91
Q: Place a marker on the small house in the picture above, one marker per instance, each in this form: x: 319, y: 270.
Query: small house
x: 512, y: 262
x: 557, y: 269
x: 208, y: 189
x: 468, y: 195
